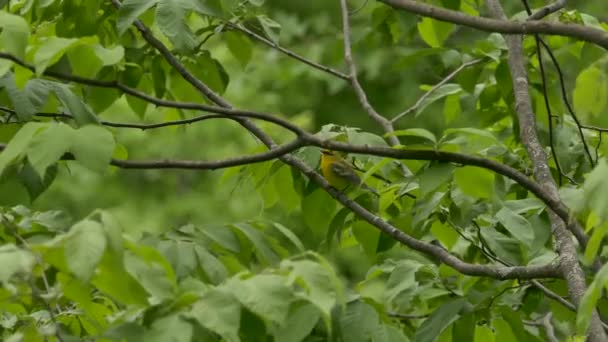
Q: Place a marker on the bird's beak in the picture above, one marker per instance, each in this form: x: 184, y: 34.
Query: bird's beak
x: 327, y: 152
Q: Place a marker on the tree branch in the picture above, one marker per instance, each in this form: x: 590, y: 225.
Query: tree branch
x: 434, y: 88
x: 287, y: 52
x: 386, y: 124
x: 585, y: 33
x: 571, y: 269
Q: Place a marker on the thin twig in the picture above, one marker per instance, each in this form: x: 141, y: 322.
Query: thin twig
x: 287, y: 52
x: 434, y: 88
x: 383, y: 122
x: 548, y: 9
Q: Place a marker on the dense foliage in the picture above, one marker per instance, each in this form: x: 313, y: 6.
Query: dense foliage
x: 113, y: 228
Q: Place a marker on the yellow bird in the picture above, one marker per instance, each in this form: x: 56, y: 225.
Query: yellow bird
x: 339, y: 173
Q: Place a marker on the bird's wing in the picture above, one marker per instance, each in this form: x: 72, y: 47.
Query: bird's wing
x: 345, y: 171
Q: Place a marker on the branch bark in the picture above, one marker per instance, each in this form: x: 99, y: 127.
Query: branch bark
x: 571, y: 269
x: 585, y: 33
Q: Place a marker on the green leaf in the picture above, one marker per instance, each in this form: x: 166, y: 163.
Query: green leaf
x: 47, y: 147
x: 213, y: 268
x: 208, y: 7
x: 293, y: 238
x: 84, y: 248
x: 299, y: 324
x: 15, y: 34
x: 320, y: 203
x: 14, y: 261
x: 270, y: 27
x: 129, y: 11
x: 415, y: 132
x: 367, y: 235
x: 151, y: 270
x: 464, y: 328
x: 318, y: 284
x: 265, y: 295
x: 51, y: 51
x: 474, y: 181
x: 171, y: 18
x: 16, y: 149
x: 170, y: 328
x: 435, y: 176
x: 93, y: 147
x: 23, y: 106
x: 359, y: 322
x: 219, y: 312
x: 445, y: 315
x: 240, y: 46
x: 517, y: 225
x: 434, y: 32
x: 439, y: 93
x: 595, y: 190
x: 76, y: 107
x: 262, y: 248
x: 590, y: 299
x: 589, y: 97
x: 595, y: 242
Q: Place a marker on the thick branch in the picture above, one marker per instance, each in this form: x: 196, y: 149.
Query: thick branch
x: 585, y: 33
x: 571, y: 269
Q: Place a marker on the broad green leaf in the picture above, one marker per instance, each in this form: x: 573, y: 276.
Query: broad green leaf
x: 14, y: 260
x: 261, y: 246
x: 595, y: 190
x: 439, y: 93
x: 270, y: 27
x: 16, y: 149
x: 445, y: 315
x: 318, y: 285
x: 590, y: 299
x: 435, y: 176
x: 434, y: 32
x: 219, y: 312
x: 589, y: 97
x: 47, y: 147
x: 151, y: 270
x: 84, y: 62
x: 129, y: 11
x: 208, y: 7
x: 240, y: 46
x: 23, y: 106
x: 15, y: 33
x: 109, y: 56
x: 84, y: 248
x: 52, y: 50
x: 595, y: 242
x: 367, y: 236
x: 474, y: 181
x: 517, y: 225
x: 299, y: 324
x: 464, y: 328
x: 37, y: 92
x: 415, y: 132
x: 169, y: 328
x: 359, y: 322
x: 265, y: 295
x: 81, y: 112
x: 172, y: 20
x: 213, y: 268
x: 293, y: 238
x: 320, y: 203
x: 402, y: 279
x: 506, y: 248
x: 93, y: 147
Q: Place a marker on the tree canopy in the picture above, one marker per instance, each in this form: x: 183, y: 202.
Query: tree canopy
x: 159, y: 170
